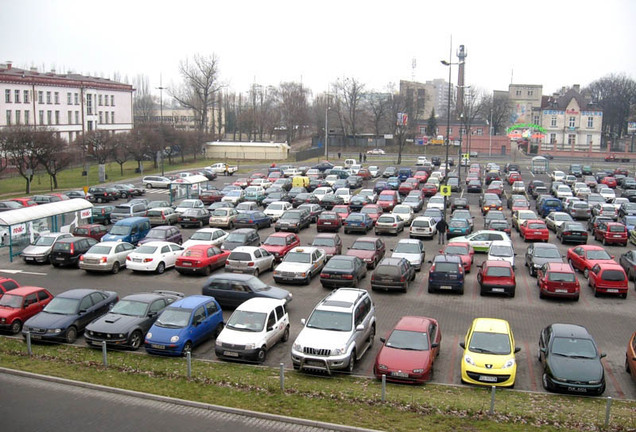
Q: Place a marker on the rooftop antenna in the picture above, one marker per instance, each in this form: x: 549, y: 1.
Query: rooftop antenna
x: 512, y: 74
x: 413, y: 66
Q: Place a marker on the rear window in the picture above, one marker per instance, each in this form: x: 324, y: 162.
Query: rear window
x: 561, y: 277
x: 421, y: 223
x: 62, y: 246
x: 616, y: 228
x: 613, y: 275
x: 240, y: 256
x: 154, y: 213
x: 447, y: 267
x: 121, y: 210
x: 387, y: 270
x: 499, y: 272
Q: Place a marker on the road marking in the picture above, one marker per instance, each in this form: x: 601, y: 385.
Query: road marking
x: 451, y: 371
x: 22, y: 272
x: 533, y: 384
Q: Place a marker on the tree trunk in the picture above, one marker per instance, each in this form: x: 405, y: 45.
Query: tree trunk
x: 54, y: 177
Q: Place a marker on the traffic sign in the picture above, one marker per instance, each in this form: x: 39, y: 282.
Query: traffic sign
x: 445, y: 191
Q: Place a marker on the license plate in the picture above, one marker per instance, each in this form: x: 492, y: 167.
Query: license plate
x: 537, y: 232
x: 446, y: 287
x: 29, y: 258
x: 187, y: 264
x: 487, y: 378
x: 34, y: 336
x: 157, y: 346
x: 400, y: 374
x: 136, y: 259
x: 617, y: 236
x: 59, y: 259
x: 230, y: 354
x: 327, y: 223
x: 577, y: 389
x: 612, y: 290
x: 498, y: 290
x: 314, y: 363
x: 560, y: 291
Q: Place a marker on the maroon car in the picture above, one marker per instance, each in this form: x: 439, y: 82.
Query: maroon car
x: 330, y: 243
x: 279, y: 243
x: 369, y: 249
x: 209, y: 196
x: 20, y: 304
x: 328, y: 221
x: 95, y: 231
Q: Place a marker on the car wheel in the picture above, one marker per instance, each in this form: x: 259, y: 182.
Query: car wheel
x: 571, y: 264
x: 352, y: 362
x: 546, y: 384
x: 16, y: 327
x: 54, y: 264
x: 161, y: 267
x: 261, y: 355
x: 149, y: 186
x: 627, y: 367
x: 187, y: 348
x: 285, y: 337
x: 71, y: 335
x: 539, y: 355
x: 99, y: 200
x: 604, y: 241
x: 256, y: 272
x: 207, y: 270
x: 135, y: 340
x: 115, y: 268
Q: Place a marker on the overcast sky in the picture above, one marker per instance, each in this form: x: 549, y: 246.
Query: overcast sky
x: 550, y: 42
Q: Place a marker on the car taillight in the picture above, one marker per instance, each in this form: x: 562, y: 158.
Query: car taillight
x: 250, y: 264
x: 72, y: 248
x: 128, y: 258
x: 147, y: 260
x: 402, y: 279
x: 102, y: 260
x: 81, y: 258
x: 324, y: 275
x: 567, y: 233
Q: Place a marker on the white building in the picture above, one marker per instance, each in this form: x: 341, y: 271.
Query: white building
x: 70, y: 104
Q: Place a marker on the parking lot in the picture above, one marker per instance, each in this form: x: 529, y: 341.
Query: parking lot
x: 609, y: 319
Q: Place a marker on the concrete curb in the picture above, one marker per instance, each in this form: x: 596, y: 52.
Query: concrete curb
x: 199, y: 405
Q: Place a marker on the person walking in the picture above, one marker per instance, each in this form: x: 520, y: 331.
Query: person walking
x: 441, y: 231
x: 339, y: 154
x: 360, y: 158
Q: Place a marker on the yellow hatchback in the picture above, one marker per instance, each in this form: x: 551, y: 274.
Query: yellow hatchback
x: 489, y: 354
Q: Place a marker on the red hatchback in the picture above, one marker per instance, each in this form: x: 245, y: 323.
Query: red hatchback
x: 95, y: 231
x: 20, y: 304
x: 328, y: 221
x: 342, y: 210
x: 278, y: 244
x: 409, y: 351
x: 388, y: 199
x: 584, y: 257
x: 462, y: 249
x: 497, y: 277
x: 421, y: 176
x: 26, y: 202
x: 558, y: 280
x: 534, y: 229
x: 608, y: 278
x: 409, y: 185
x: 611, y: 233
x: 609, y: 182
x: 371, y: 250
x: 7, y: 284
x: 429, y: 189
x: 201, y: 258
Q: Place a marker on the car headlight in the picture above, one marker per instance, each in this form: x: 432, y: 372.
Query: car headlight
x: 148, y: 335
x: 510, y: 363
x: 382, y: 367
x: 250, y: 346
x: 339, y: 351
x: 54, y: 331
x: 174, y: 339
x: 418, y: 371
x: 218, y: 342
x: 535, y: 265
x: 469, y: 360
x: 276, y: 273
x: 297, y: 347
x: 595, y: 382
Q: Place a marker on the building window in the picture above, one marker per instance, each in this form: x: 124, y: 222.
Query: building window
x: 8, y: 117
x: 112, y: 100
x: 41, y: 115
x: 530, y: 92
x: 112, y: 116
x: 76, y: 98
x: 48, y: 97
x: 7, y: 96
x: 518, y: 93
x: 70, y: 117
x: 589, y: 139
x: 106, y: 100
x: 100, y: 100
x: 90, y: 125
x: 450, y: 131
x: 536, y: 119
x: 49, y: 117
x: 40, y: 97
x: 590, y: 122
x: 17, y: 96
x: 106, y: 116
x: 571, y: 139
x: 552, y: 138
x: 69, y: 98
x: 17, y: 117
x: 25, y: 96
x: 553, y: 121
x: 77, y: 117
x: 57, y: 117
x: 26, y: 117
x: 572, y: 122
x: 479, y: 132
x: 89, y: 104
x: 101, y: 117
x: 57, y: 98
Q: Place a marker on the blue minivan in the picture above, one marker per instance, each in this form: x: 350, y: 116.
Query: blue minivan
x: 129, y: 230
x: 404, y: 173
x: 550, y: 205
x: 185, y: 324
x: 446, y: 274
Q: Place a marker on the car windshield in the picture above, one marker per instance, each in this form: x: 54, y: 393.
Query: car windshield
x: 188, y: 204
x: 489, y: 343
x: 298, y: 257
x: 408, y: 340
x: 99, y: 249
x: 324, y: 242
x: 499, y: 272
x: 174, y: 318
x: 12, y: 301
x: 158, y: 234
x: 63, y: 306
x: 573, y: 347
x: 247, y: 321
x: 44, y: 241
x: 456, y: 250
x: 410, y: 248
x: 201, y: 236
x: 236, y: 237
x: 363, y: 245
x: 120, y: 230
x: 146, y: 250
x: 501, y: 251
x: 329, y: 320
x: 130, y: 308
x: 547, y: 253
x: 561, y: 277
x: 339, y: 264
x: 275, y: 241
x: 598, y: 255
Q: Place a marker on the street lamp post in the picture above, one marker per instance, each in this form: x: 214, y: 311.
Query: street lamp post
x: 161, y: 88
x: 448, y: 114
x: 327, y: 131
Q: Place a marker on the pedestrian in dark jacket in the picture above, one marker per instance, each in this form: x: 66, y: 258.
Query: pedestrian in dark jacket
x: 441, y: 231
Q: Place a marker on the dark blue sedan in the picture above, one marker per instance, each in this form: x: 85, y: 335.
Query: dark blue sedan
x: 380, y: 186
x: 253, y: 219
x: 358, y: 222
x: 68, y: 314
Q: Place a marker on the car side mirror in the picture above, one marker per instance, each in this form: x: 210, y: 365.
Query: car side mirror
x: 603, y: 355
x: 303, y: 321
x: 434, y: 345
x: 382, y: 339
x: 462, y: 345
x: 543, y: 350
x: 612, y: 256
x: 429, y: 261
x: 517, y: 349
x: 360, y: 327
x: 270, y: 328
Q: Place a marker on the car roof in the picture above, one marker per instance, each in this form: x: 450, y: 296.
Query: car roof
x: 491, y: 325
x: 497, y: 263
x: 447, y: 258
x: 414, y: 323
x: 260, y: 304
x: 570, y: 330
x: 78, y: 293
x: 343, y: 298
x: 304, y: 249
x: 150, y: 296
x: 560, y: 267
x: 191, y: 302
x: 159, y: 243
x: 390, y: 261
x: 23, y: 290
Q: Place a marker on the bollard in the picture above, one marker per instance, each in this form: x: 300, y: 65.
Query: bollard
x: 104, y: 355
x: 492, y: 400
x: 28, y: 341
x: 608, y: 409
x: 189, y: 362
x: 383, y: 387
x: 282, y: 377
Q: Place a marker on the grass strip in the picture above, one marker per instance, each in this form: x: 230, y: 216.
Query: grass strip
x: 339, y: 399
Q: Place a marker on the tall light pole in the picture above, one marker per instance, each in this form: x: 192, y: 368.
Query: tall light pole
x: 161, y: 88
x: 448, y: 114
x: 327, y: 131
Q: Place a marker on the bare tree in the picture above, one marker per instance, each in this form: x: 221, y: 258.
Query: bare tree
x: 200, y: 87
x: 143, y: 101
x: 400, y: 123
x: 121, y: 151
x: 497, y: 110
x: 293, y: 107
x: 615, y: 94
x: 349, y: 94
x: 54, y: 153
x: 378, y: 106
x: 21, y: 150
x: 98, y: 144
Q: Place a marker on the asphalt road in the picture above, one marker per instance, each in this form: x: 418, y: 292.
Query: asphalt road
x: 610, y: 320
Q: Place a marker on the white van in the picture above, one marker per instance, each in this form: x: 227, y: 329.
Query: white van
x: 349, y: 162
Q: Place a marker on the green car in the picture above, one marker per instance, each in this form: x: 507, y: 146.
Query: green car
x: 101, y: 214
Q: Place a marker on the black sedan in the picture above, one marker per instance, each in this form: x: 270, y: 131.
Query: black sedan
x: 128, y: 321
x: 232, y: 289
x: 628, y: 262
x: 194, y: 217
x: 315, y: 211
x: 538, y: 254
x: 323, y: 166
x: 358, y: 201
x: 572, y: 232
x: 571, y: 362
x: 330, y: 200
x: 305, y: 198
x: 276, y: 196
x: 343, y: 271
x: 459, y: 203
x: 68, y: 314
x: 474, y: 186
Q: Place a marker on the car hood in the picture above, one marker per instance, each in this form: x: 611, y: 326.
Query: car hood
x: 329, y: 250
x: 114, y: 323
x: 362, y: 254
x: 410, y: 257
x: 9, y: 312
x: 323, y: 339
x: 50, y: 321
x: 113, y: 237
x: 575, y: 369
x: 163, y: 334
x: 293, y: 267
x: 238, y: 337
x: 36, y: 250
x: 404, y: 360
x: 273, y: 248
x: 540, y: 261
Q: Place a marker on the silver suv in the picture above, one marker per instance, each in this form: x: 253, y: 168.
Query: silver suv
x: 339, y: 331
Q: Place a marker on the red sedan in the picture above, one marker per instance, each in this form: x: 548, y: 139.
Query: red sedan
x: 201, y: 258
x: 421, y: 176
x: 534, y: 229
x: 278, y: 244
x: 273, y: 176
x: 584, y: 257
x: 513, y: 177
x: 462, y: 249
x: 242, y: 182
x: 520, y: 205
x: 609, y: 182
x: 429, y: 189
x: 409, y: 350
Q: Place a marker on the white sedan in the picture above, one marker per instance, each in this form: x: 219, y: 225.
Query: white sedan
x: 188, y: 204
x: 344, y: 193
x: 437, y: 202
x: 154, y: 256
x: 376, y: 151
x: 276, y: 209
x: 608, y: 194
x: 207, y: 236
x: 404, y: 212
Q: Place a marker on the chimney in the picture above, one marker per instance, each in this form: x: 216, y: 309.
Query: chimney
x: 577, y: 88
x: 53, y: 70
x: 9, y: 64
